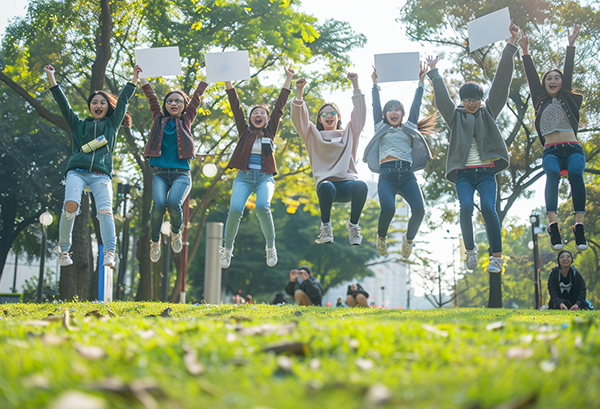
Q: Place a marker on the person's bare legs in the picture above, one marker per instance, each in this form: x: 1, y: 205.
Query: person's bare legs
x: 302, y: 298
x: 350, y: 301
x: 362, y: 300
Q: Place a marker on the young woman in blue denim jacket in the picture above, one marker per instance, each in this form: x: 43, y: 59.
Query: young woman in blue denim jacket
x: 170, y: 147
x: 396, y: 151
x: 253, y: 157
x: 90, y: 164
x: 557, y: 121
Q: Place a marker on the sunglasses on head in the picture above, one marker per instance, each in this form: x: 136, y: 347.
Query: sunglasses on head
x: 469, y: 100
x: 325, y: 114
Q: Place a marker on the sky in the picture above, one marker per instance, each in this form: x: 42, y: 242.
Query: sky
x: 384, y: 35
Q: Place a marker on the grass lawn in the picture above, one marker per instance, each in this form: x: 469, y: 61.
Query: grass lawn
x: 127, y: 355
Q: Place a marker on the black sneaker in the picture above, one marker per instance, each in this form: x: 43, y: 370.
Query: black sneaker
x: 580, y: 239
x: 555, y: 239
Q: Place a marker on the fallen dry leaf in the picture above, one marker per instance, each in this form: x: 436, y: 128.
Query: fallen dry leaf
x: 315, y: 364
x: 53, y: 318
x: 578, y: 343
x: 378, y: 394
x: 78, y: 400
x: 166, y: 313
x: 51, y: 339
x: 435, y: 330
x: 93, y: 353
x: 519, y: 353
x: 266, y: 329
x: 112, y: 314
x: 36, y: 323
x: 494, y: 326
x: 190, y: 360
x: 547, y: 337
x: 364, y: 364
x: 285, y: 363
x: 94, y: 313
x: 146, y: 334
x: 36, y: 381
x: 67, y: 320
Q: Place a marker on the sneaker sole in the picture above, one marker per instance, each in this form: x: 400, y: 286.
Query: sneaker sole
x: 556, y: 247
x: 65, y: 265
x: 272, y: 264
x: 326, y: 241
x: 582, y: 247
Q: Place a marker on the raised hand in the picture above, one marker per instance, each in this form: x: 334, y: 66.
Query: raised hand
x: 432, y: 61
x: 50, y: 73
x: 352, y: 76
x: 289, y: 73
x: 293, y: 274
x: 374, y: 76
x: 573, y: 37
x: 514, y: 32
x: 300, y: 84
x: 524, y: 43
x: 136, y: 72
x: 422, y: 71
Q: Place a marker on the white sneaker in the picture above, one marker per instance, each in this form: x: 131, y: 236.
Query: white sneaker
x: 472, y: 258
x: 64, y: 259
x: 381, y: 243
x: 154, y: 251
x: 176, y: 242
x: 495, y: 265
x: 271, y: 256
x: 354, y: 236
x: 326, y: 233
x: 109, y: 259
x: 226, y: 255
x: 407, y: 247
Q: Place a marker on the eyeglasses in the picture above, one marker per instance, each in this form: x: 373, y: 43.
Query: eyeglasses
x: 325, y: 114
x: 174, y: 101
x: 469, y: 100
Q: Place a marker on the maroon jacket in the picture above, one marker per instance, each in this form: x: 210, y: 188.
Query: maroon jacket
x: 185, y: 141
x: 247, y: 134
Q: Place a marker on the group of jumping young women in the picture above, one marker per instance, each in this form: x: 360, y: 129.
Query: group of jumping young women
x: 476, y: 153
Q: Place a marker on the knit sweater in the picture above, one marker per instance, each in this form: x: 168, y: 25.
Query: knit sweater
x: 88, y: 129
x: 482, y: 124
x: 332, y: 154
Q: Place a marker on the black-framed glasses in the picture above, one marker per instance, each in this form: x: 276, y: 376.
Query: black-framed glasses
x: 326, y: 114
x: 174, y: 101
x: 469, y: 100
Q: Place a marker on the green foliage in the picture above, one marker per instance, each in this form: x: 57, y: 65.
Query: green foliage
x: 353, y: 357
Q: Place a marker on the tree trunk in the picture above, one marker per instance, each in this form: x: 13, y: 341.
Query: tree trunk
x: 495, y: 300
x: 145, y: 291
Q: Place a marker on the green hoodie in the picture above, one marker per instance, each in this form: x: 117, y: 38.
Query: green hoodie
x: 86, y: 130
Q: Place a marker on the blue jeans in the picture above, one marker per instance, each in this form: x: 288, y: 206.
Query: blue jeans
x: 170, y: 188
x: 484, y: 181
x: 101, y: 187
x: 246, y: 182
x: 354, y: 191
x: 395, y: 177
x: 567, y: 156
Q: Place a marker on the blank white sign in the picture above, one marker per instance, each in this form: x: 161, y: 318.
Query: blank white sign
x: 397, y: 67
x: 227, y: 66
x: 488, y: 29
x: 158, y: 62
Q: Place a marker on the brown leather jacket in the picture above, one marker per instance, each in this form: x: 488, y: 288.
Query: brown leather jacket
x: 185, y: 141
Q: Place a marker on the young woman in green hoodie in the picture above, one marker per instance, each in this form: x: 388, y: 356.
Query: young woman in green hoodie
x: 90, y: 164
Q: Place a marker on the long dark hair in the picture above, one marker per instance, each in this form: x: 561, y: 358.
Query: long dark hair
x: 335, y: 107
x: 544, y: 96
x: 186, y: 101
x: 112, y: 104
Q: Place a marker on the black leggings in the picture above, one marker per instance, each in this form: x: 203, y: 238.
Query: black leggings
x: 354, y: 191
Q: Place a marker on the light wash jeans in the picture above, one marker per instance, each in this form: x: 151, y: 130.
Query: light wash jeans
x: 170, y: 187
x: 101, y: 187
x: 246, y: 182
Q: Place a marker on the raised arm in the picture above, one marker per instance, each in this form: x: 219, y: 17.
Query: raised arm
x: 300, y: 117
x: 358, y: 116
x: 192, y: 108
x: 236, y: 108
x: 281, y: 101
x: 533, y: 79
x: 501, y: 83
x: 124, y: 97
x: 567, y: 81
x: 415, y: 108
x: 61, y: 99
x: 377, y: 112
x: 441, y: 96
x: 152, y: 99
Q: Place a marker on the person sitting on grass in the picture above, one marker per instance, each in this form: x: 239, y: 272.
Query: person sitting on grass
x: 357, y: 295
x: 304, y: 287
x: 566, y: 285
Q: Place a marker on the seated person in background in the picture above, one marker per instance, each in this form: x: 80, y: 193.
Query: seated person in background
x: 249, y: 299
x: 566, y: 285
x: 357, y: 295
x: 339, y: 302
x: 304, y: 287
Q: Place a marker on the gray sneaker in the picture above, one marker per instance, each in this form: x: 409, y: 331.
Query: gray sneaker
x: 176, y: 242
x: 154, y: 251
x: 495, y: 265
x: 472, y: 258
x: 64, y: 259
x: 271, y: 256
x: 381, y: 243
x: 109, y: 259
x: 407, y: 247
x: 226, y: 255
x: 354, y: 236
x: 326, y: 233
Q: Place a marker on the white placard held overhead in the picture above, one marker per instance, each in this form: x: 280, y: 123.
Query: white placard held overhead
x: 227, y: 66
x: 158, y: 62
x: 488, y: 29
x: 397, y: 67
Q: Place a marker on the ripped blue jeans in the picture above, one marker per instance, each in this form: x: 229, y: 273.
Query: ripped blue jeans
x: 101, y: 187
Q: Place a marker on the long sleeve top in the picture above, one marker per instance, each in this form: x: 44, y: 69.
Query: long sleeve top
x: 185, y: 141
x: 576, y: 293
x: 88, y: 129
x: 247, y: 134
x: 464, y: 126
x: 332, y: 154
x: 571, y: 103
